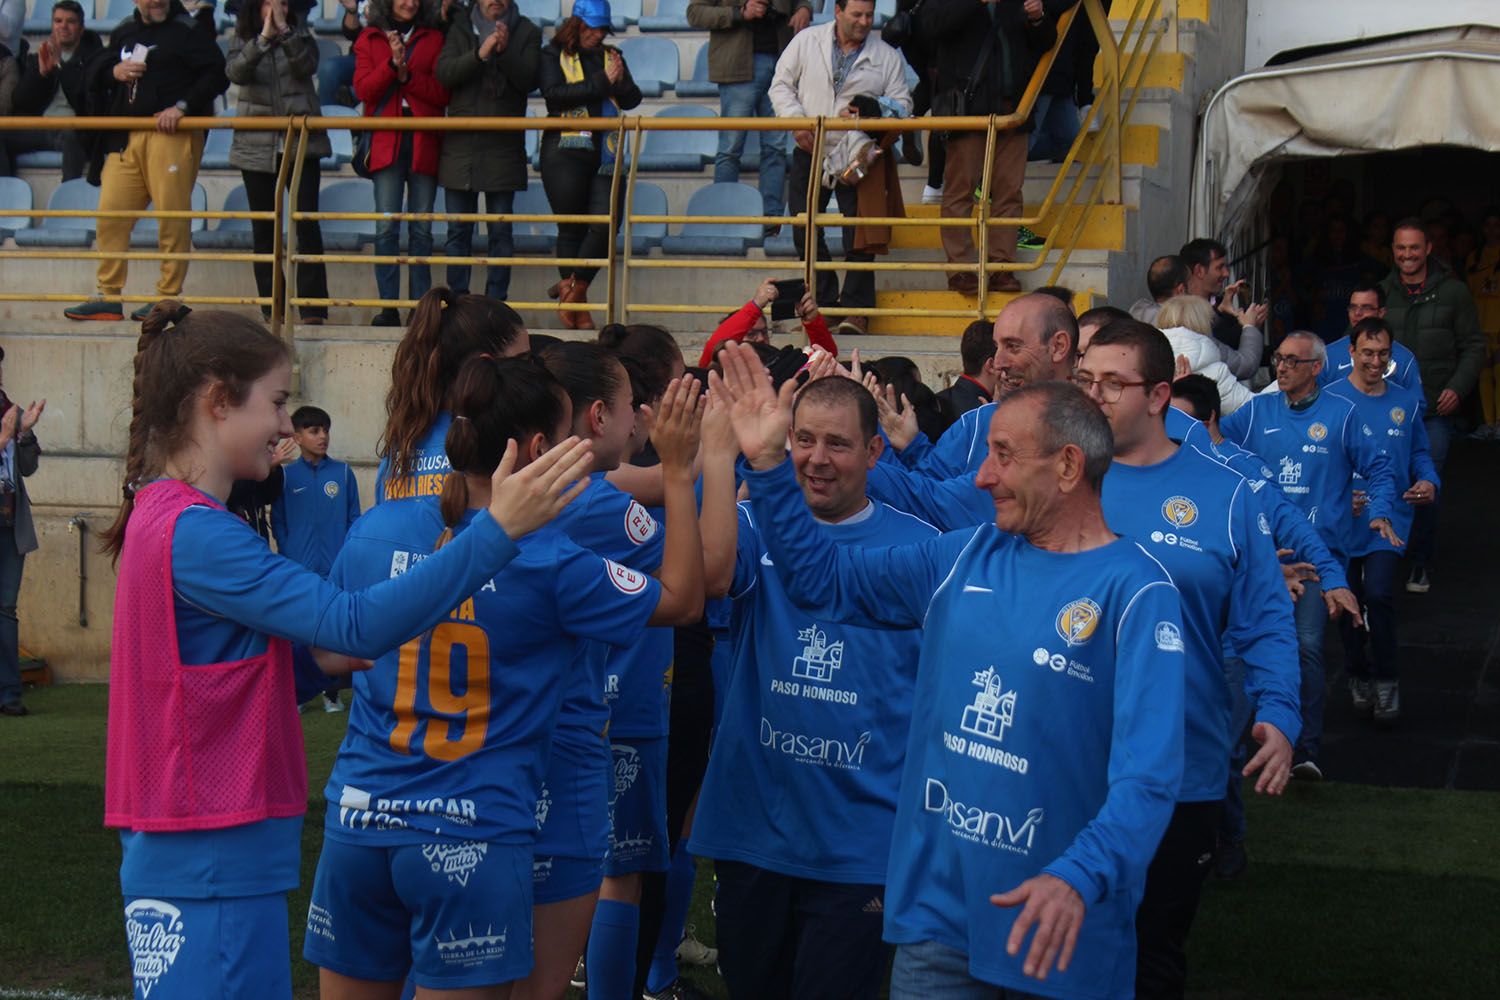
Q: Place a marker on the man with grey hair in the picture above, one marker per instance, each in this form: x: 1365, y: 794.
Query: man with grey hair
x: 1043, y: 758
x: 1315, y: 443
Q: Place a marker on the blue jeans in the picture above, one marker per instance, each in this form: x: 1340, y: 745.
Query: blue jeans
x: 751, y: 99
x: 11, y: 564
x: 1311, y: 616
x: 460, y: 242
x: 932, y: 971
x: 1373, y: 580
x: 333, y: 74
x: 1424, y: 525
x: 421, y: 191
x: 1242, y: 708
x: 1054, y: 127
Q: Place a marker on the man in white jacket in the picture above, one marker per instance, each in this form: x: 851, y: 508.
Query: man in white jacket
x: 837, y: 69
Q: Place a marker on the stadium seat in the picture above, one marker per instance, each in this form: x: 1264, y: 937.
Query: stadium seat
x: 653, y: 62
x: 718, y: 238
x: 229, y: 234
x: 117, y: 11
x: 143, y: 235
x: 680, y: 150
x: 39, y: 18
x: 216, y: 146
x: 782, y: 245
x: 77, y: 231
x: 884, y: 11
x: 649, y: 200
x: 330, y: 49
x: 623, y: 12
x: 543, y: 12
x: 534, y: 140
x: 671, y: 15
x: 14, y: 194
x: 534, y: 237
x: 341, y: 139
x: 41, y: 159
x: 347, y: 235
x: 327, y: 19
x: 698, y: 85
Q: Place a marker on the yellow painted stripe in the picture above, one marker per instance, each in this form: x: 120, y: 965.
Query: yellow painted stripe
x: 1187, y: 10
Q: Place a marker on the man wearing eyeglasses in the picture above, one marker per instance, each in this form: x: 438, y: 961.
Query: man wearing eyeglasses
x: 1367, y: 301
x: 1316, y: 443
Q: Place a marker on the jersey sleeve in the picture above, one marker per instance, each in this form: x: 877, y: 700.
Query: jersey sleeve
x: 1260, y: 623
x: 1145, y: 757
x: 278, y: 522
x: 221, y: 565
x: 618, y: 527
x: 950, y: 504
x: 1421, y: 466
x: 914, y: 455
x: 1236, y: 426
x: 601, y: 599
x: 1290, y: 529
x: 747, y: 554
x: 949, y: 456
x: 884, y: 588
x: 1373, y: 465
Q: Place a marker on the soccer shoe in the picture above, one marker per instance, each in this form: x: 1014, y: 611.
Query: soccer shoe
x: 932, y: 195
x: 1362, y: 693
x: 386, y: 317
x: 1027, y: 240
x: 579, y: 980
x: 332, y: 705
x: 1387, y: 701
x: 95, y: 309
x: 695, y: 952
x: 1307, y: 771
x: 1418, y: 583
x: 1230, y: 860
x: 139, y: 314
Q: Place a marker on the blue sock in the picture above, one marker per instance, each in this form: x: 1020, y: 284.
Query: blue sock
x: 611, y: 955
x: 680, y: 878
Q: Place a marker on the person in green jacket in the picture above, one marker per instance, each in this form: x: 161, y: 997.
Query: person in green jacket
x: 1432, y: 313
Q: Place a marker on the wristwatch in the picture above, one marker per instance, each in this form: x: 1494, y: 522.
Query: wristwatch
x: 181, y: 106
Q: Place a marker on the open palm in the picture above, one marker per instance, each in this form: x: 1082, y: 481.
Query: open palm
x: 761, y: 416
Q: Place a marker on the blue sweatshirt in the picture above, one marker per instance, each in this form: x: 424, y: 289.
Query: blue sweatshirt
x: 1046, y: 730
x: 1315, y: 452
x: 807, y: 758
x: 1396, y: 418
x: 1402, y: 369
x: 317, y: 505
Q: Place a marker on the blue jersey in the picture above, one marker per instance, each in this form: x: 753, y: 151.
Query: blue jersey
x: 1396, y: 418
x: 1046, y: 729
x: 634, y: 697
x: 1199, y: 518
x: 317, y: 505
x: 807, y: 758
x: 1315, y: 452
x: 1401, y: 370
x: 449, y: 733
x: 429, y: 467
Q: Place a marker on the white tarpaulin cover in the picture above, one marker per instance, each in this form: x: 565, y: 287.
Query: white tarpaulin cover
x: 1434, y: 88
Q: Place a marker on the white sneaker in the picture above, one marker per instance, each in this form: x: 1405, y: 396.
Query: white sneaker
x: 331, y: 705
x: 932, y: 195
x: 1307, y: 771
x: 579, y: 980
x: 695, y: 952
x: 1387, y: 701
x: 1362, y: 693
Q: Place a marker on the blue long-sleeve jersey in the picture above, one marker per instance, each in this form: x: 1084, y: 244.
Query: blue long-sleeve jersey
x: 1315, y: 452
x: 318, y: 503
x: 1402, y: 369
x: 1396, y: 418
x: 1046, y: 729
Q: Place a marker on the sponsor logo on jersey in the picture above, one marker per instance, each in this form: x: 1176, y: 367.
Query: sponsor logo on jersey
x: 1398, y: 416
x: 1077, y: 621
x: 1290, y: 476
x: 819, y: 659
x: 1263, y: 524
x: 400, y: 562
x: 1179, y: 511
x: 625, y: 579
x: 472, y: 949
x: 320, y: 922
x: 823, y: 751
x: 979, y: 825
x: 627, y: 762
x: 993, y: 709
x: 543, y: 806
x: 1317, y: 432
x: 456, y: 861
x: 330, y: 489
x: 639, y: 524
x: 1168, y: 637
x: 358, y: 810
x: 155, y: 932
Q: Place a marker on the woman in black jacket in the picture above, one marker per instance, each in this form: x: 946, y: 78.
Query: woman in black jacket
x: 581, y: 77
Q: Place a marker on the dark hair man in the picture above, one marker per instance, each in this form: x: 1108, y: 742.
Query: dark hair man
x: 976, y: 386
x: 52, y: 85
x: 1207, y: 263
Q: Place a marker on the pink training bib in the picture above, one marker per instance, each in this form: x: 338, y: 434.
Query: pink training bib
x: 191, y: 747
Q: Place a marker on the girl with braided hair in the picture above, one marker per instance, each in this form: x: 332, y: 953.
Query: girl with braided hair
x: 206, y: 777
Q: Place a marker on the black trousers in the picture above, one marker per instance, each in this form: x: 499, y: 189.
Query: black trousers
x: 260, y: 192
x: 1174, y: 884
x: 75, y: 159
x: 574, y: 186
x: 859, y: 286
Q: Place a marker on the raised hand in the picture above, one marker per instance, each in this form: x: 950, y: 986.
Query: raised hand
x: 286, y: 450
x: 8, y: 425
x: 719, y: 441
x: 761, y: 415
x: 821, y: 364
x: 34, y: 413
x: 521, y: 502
x: 679, y: 421
x: 898, y: 422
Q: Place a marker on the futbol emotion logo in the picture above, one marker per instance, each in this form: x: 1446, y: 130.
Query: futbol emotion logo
x: 1179, y: 511
x: 1077, y: 621
x: 1317, y: 432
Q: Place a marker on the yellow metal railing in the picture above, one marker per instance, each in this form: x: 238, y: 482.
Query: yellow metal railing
x: 1090, y: 174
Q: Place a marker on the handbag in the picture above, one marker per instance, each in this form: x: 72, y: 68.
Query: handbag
x: 366, y: 139
x: 958, y: 102
x: 901, y: 26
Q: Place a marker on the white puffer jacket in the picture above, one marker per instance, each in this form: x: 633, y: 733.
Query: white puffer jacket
x: 1203, y: 356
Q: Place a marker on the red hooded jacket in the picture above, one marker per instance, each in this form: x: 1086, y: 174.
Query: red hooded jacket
x: 374, y: 78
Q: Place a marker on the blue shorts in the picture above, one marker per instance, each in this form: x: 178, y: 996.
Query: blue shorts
x: 232, y: 948
x: 572, y: 814
x: 554, y: 878
x: 638, y: 808
x: 455, y: 913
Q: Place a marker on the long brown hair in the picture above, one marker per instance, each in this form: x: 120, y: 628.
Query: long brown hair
x: 179, y: 353
x: 566, y: 37
x: 445, y: 331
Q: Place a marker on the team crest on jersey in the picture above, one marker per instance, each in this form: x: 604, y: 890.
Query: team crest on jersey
x: 993, y: 709
x: 625, y: 579
x: 155, y: 933
x: 1317, y: 432
x: 639, y: 524
x: 457, y: 861
x: 1398, y: 416
x: 330, y: 490
x: 1077, y: 621
x: 1179, y: 511
x: 1168, y: 637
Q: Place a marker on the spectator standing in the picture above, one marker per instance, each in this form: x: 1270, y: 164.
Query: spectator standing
x: 976, y: 385
x: 1483, y: 273
x: 582, y: 78
x: 1430, y: 311
x: 19, y: 455
x: 273, y: 57
x: 161, y: 62
x: 1207, y: 262
x: 986, y: 55
x: 490, y: 61
x: 745, y: 38
x: 52, y: 85
x: 394, y: 75
x: 830, y: 70
x: 749, y: 324
x: 1166, y: 278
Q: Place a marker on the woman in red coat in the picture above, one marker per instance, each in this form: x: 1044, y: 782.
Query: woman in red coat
x: 395, y: 60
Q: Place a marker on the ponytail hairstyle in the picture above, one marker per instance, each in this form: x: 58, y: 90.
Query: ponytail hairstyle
x: 587, y: 372
x: 446, y: 330
x: 495, y: 400
x: 653, y: 350
x: 179, y: 353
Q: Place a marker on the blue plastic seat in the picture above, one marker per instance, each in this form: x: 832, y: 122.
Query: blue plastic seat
x: 623, y: 13
x: 719, y: 238
x: 216, y: 146
x: 328, y: 48
x: 117, y: 11
x: 347, y: 235
x: 698, y: 85
x: 654, y: 63
x: 78, y: 231
x: 649, y: 200
x: 534, y: 237
x: 14, y: 194
x: 543, y: 12
x: 534, y: 140
x: 39, y: 18
x: 143, y: 236
x: 782, y: 244
x: 671, y: 15
x: 680, y: 150
x: 229, y: 234
x: 41, y: 159
x: 341, y: 139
